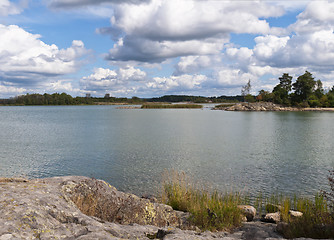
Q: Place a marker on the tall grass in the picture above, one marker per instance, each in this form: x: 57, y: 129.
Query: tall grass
x: 165, y: 106
x: 317, y: 220
x: 209, y: 210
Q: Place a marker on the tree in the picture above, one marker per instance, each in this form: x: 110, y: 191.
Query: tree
x: 281, y: 90
x: 319, y: 91
x: 245, y: 92
x: 304, y: 87
x: 264, y: 96
x: 286, y: 82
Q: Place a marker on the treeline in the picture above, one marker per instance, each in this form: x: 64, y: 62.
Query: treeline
x: 304, y: 92
x: 46, y: 99
x: 196, y: 99
x: 65, y: 99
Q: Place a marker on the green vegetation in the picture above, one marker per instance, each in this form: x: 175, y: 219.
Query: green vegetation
x: 196, y: 99
x: 307, y: 92
x: 216, y: 211
x: 164, y: 106
x: 65, y: 99
x: 317, y: 220
x: 224, y: 105
x: 209, y: 211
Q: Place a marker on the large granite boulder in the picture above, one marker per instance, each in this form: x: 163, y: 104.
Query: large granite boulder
x: 46, y: 209
x: 100, y: 199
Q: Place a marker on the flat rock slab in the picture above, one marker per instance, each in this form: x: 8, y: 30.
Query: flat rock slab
x: 48, y: 209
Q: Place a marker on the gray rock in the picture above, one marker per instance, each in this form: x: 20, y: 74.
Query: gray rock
x: 49, y: 209
x: 295, y: 214
x: 248, y: 211
x: 271, y: 217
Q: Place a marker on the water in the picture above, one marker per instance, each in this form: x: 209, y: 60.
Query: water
x: 268, y: 152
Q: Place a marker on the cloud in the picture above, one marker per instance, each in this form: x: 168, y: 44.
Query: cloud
x: 318, y: 16
x: 145, y: 50
x: 111, y: 81
x: 166, y: 29
x: 179, y: 83
x: 314, y: 50
x: 26, y: 60
x: 9, y: 8
x: 81, y: 3
x: 194, y: 64
x: 7, y: 91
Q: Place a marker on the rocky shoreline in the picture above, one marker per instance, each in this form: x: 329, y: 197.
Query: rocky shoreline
x: 268, y: 106
x: 84, y: 208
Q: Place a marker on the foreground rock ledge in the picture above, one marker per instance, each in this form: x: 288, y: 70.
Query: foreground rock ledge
x: 83, y: 208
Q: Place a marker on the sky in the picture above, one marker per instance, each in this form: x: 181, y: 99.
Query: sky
x: 151, y: 48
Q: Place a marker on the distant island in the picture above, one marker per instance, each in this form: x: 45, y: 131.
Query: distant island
x: 66, y: 99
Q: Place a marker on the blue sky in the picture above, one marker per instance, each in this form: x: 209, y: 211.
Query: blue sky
x: 149, y: 48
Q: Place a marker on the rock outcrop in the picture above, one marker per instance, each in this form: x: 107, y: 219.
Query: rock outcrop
x: 258, y: 106
x: 84, y: 208
x: 267, y: 106
x: 50, y: 209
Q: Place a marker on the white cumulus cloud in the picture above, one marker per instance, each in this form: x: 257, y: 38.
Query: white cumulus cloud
x: 112, y: 81
x: 9, y: 8
x: 165, y: 29
x: 81, y: 3
x: 181, y: 83
x: 27, y: 60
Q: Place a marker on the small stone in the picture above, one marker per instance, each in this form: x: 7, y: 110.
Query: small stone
x: 271, y: 217
x: 248, y: 211
x: 295, y: 214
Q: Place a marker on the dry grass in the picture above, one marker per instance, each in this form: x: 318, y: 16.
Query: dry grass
x: 317, y: 220
x: 209, y: 210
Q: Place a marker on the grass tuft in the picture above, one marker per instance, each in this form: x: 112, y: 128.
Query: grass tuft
x: 317, y: 220
x: 209, y: 210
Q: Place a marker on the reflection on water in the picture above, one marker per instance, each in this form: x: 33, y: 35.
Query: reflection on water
x: 244, y: 151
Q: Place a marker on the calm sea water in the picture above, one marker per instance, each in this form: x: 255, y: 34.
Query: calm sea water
x: 268, y: 152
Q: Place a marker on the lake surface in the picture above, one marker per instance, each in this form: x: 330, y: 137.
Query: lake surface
x: 268, y: 152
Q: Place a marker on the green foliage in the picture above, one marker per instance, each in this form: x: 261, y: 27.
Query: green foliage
x: 281, y: 91
x: 307, y: 92
x: 317, y: 220
x: 249, y: 98
x: 265, y: 96
x: 50, y: 99
x: 209, y: 211
x: 170, y: 106
x: 286, y: 82
x: 304, y: 87
x: 196, y: 99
